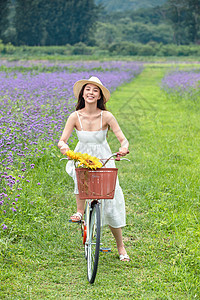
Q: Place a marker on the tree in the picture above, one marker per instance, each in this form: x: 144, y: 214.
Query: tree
x: 194, y: 20
x: 106, y: 34
x: 55, y: 22
x: 184, y: 16
x: 144, y: 33
x: 30, y: 22
x: 74, y: 22
x: 4, y: 11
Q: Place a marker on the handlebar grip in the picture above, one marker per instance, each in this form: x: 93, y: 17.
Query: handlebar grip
x: 118, y: 156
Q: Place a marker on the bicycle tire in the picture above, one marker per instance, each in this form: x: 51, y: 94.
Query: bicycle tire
x: 93, y: 243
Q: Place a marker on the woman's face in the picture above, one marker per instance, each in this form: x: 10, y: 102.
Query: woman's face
x: 91, y: 93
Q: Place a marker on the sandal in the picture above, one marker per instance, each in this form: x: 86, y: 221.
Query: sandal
x: 78, y: 217
x: 125, y: 256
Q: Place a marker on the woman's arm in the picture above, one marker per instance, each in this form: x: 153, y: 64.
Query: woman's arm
x: 69, y: 126
x: 112, y: 122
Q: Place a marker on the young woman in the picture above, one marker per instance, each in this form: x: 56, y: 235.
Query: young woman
x: 91, y: 121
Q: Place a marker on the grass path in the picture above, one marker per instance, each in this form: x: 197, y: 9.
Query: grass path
x: 161, y: 187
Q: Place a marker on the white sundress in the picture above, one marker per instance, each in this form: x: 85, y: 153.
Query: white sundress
x: 94, y: 143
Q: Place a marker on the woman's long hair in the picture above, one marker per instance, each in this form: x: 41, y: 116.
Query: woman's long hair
x: 81, y: 102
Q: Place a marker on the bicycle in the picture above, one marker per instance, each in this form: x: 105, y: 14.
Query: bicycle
x: 94, y: 186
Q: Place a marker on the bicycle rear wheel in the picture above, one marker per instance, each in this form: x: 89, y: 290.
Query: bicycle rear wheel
x: 93, y: 243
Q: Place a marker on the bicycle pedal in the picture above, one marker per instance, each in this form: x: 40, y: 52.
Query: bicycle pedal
x: 78, y: 222
x: 105, y: 250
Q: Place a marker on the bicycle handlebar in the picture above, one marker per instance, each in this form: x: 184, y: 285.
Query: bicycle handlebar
x: 117, y: 155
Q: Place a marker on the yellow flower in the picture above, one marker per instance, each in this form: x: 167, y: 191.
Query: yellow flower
x: 73, y: 155
x: 90, y: 162
x: 70, y: 154
x: 85, y: 160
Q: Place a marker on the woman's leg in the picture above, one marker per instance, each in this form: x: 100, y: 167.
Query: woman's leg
x: 117, y: 232
x: 80, y: 208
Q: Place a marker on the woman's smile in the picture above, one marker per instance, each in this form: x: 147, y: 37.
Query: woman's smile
x: 90, y: 97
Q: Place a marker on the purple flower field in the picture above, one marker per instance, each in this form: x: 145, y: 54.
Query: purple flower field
x: 72, y: 66
x: 182, y: 82
x: 34, y: 107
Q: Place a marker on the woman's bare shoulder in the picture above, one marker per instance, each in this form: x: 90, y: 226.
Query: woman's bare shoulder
x: 72, y: 118
x: 73, y: 115
x: 108, y: 116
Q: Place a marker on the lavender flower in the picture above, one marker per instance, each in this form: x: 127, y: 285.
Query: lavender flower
x: 182, y: 82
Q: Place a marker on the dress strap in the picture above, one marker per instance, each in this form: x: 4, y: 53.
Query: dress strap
x: 79, y: 120
x: 101, y: 119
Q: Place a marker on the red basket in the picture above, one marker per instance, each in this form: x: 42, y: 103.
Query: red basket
x: 97, y: 184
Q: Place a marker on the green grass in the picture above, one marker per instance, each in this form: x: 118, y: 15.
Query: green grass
x: 42, y: 56
x: 42, y: 258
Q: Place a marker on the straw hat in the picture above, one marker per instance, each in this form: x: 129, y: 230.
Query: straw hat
x: 94, y: 80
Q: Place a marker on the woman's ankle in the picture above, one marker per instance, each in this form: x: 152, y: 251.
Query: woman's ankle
x: 121, y: 250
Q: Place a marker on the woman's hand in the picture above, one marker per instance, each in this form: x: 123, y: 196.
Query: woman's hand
x: 123, y: 151
x: 63, y: 147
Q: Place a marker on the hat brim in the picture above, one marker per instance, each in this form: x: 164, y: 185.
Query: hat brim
x: 80, y: 83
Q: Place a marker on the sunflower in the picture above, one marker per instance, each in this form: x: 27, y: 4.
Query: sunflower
x: 90, y: 162
x: 73, y: 155
x: 84, y: 160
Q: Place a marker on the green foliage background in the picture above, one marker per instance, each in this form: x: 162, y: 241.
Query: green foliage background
x: 116, y: 50
x: 121, y: 5
x: 99, y: 23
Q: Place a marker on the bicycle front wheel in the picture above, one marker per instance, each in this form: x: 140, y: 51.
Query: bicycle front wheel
x: 93, y: 243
